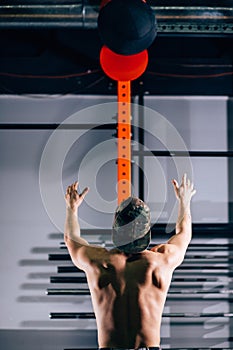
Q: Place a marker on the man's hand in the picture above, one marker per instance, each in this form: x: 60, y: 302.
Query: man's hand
x: 72, y: 198
x: 185, y: 191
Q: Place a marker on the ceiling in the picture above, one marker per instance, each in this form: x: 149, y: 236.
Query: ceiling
x: 52, y: 47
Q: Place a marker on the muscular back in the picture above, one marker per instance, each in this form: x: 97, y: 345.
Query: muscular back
x: 128, y: 296
x: 129, y: 291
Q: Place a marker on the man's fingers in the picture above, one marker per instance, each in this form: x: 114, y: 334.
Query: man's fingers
x: 176, y: 187
x: 73, y: 186
x: 175, y: 184
x: 184, y: 179
x: 193, y: 192
x: 84, y: 192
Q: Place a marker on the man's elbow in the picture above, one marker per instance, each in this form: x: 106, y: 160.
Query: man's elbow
x: 72, y: 248
x: 70, y: 244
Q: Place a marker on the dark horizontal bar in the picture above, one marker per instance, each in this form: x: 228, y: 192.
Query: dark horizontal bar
x: 182, y: 18
x: 217, y: 258
x: 182, y: 295
x: 73, y: 269
x: 191, y: 250
x: 207, y: 259
x: 56, y: 291
x: 200, y: 230
x: 192, y: 247
x: 95, y: 3
x: 207, y: 230
x: 210, y: 291
x: 59, y: 257
x: 58, y: 279
x: 189, y: 256
x: 204, y: 245
x: 90, y: 315
x: 185, y: 266
x: 183, y: 154
x: 68, y: 269
x: 53, y: 126
x: 71, y: 315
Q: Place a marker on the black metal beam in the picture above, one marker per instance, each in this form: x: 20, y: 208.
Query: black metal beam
x: 90, y: 315
x: 188, y: 259
x: 183, y: 154
x: 179, y: 17
x: 53, y: 126
x: 141, y: 183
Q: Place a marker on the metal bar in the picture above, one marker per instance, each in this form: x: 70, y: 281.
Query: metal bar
x: 230, y: 182
x: 58, y: 279
x: 82, y: 279
x: 124, y: 141
x: 160, y: 3
x: 53, y: 126
x: 176, y: 18
x: 59, y: 257
x: 183, y: 154
x: 193, y: 246
x: 141, y: 184
x: 178, y: 272
x: 230, y: 162
x: 172, y: 295
x: 90, y: 315
x: 202, y: 266
x: 68, y: 269
x: 190, y: 250
x: 205, y: 230
x: 71, y: 315
x: 56, y: 291
x: 206, y: 259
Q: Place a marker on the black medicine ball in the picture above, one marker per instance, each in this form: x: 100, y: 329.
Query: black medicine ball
x: 127, y: 27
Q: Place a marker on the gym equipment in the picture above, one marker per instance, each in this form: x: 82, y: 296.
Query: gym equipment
x: 90, y: 315
x: 127, y: 27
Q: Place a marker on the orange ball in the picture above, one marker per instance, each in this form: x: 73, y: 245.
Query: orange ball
x: 122, y: 67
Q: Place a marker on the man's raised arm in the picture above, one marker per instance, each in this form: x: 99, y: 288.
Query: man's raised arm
x: 182, y: 238
x: 73, y: 201
x: 77, y: 246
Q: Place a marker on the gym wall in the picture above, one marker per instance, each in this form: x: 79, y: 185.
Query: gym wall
x: 28, y: 235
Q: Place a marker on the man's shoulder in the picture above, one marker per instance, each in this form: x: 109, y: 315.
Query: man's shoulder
x: 170, y: 254
x: 161, y: 248
x: 164, y: 250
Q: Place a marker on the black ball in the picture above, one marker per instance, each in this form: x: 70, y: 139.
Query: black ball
x: 127, y: 27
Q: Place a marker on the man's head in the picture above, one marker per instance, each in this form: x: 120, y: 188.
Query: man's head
x: 131, y: 226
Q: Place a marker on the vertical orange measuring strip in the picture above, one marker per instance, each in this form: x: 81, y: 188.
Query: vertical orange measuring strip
x: 124, y: 140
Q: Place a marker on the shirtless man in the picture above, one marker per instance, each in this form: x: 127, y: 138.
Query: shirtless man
x: 129, y: 284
